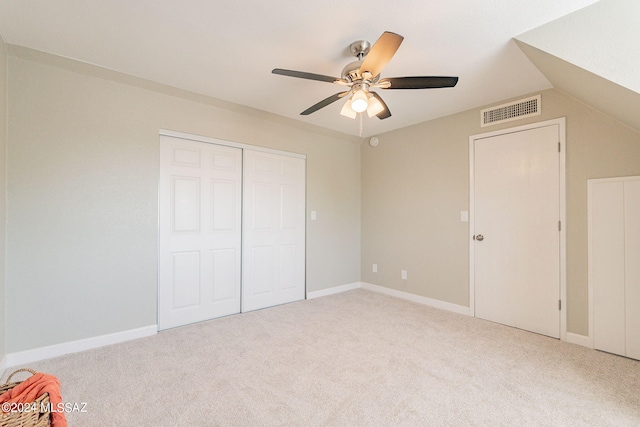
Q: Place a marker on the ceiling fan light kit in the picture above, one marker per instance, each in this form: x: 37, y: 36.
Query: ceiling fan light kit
x: 347, y: 111
x: 375, y: 107
x: 362, y: 75
x: 359, y: 101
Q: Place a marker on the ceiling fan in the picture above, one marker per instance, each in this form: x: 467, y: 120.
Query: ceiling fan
x: 364, y: 74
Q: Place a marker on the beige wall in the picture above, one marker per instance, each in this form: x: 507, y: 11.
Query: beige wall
x: 416, y: 182
x: 414, y: 185
x: 83, y: 156
x: 3, y: 192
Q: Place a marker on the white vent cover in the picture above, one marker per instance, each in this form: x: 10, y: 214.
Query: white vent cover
x: 512, y: 111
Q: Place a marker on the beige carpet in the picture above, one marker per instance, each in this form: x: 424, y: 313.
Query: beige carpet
x: 352, y: 359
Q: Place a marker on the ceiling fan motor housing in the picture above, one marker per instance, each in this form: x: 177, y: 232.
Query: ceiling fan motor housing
x: 359, y: 49
x: 351, y: 72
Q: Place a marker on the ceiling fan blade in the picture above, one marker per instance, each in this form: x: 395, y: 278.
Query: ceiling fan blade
x: 323, y: 103
x: 381, y: 53
x: 303, y: 75
x: 384, y: 114
x: 424, y: 82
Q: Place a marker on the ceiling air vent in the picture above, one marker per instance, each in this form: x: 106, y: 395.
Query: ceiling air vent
x: 512, y: 111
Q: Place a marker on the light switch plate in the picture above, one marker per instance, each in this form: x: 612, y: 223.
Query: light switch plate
x: 464, y: 216
x: 313, y: 215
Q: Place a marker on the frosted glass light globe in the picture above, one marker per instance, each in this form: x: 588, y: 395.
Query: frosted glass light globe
x: 359, y: 101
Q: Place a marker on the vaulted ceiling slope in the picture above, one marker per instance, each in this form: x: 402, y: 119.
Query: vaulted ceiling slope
x: 226, y: 50
x: 593, y: 55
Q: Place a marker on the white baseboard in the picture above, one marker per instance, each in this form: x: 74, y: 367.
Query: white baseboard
x: 570, y: 337
x: 443, y: 305
x: 334, y: 290
x: 582, y: 340
x: 28, y: 356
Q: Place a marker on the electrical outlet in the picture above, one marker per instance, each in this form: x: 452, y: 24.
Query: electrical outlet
x: 375, y: 268
x: 403, y: 273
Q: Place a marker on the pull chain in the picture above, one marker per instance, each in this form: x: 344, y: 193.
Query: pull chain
x: 361, y: 125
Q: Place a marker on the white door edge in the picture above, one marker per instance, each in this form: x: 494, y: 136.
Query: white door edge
x: 561, y: 123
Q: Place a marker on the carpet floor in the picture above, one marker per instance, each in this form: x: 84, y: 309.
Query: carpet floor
x: 357, y: 358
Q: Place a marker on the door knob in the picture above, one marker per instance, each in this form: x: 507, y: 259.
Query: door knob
x: 479, y: 237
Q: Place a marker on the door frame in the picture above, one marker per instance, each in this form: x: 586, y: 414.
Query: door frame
x: 561, y: 123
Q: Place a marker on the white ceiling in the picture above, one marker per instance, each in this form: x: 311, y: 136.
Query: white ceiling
x: 227, y: 49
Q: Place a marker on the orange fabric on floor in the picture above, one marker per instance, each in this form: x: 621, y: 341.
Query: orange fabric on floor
x: 34, y: 387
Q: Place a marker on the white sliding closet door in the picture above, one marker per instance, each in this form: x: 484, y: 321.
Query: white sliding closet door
x: 200, y: 231
x: 274, y: 230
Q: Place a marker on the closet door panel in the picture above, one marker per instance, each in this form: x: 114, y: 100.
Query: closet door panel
x: 199, y: 231
x: 273, y: 244
x: 632, y: 266
x: 608, y: 264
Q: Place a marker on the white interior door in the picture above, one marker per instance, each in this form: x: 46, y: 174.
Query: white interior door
x: 516, y: 226
x: 274, y: 230
x: 200, y: 195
